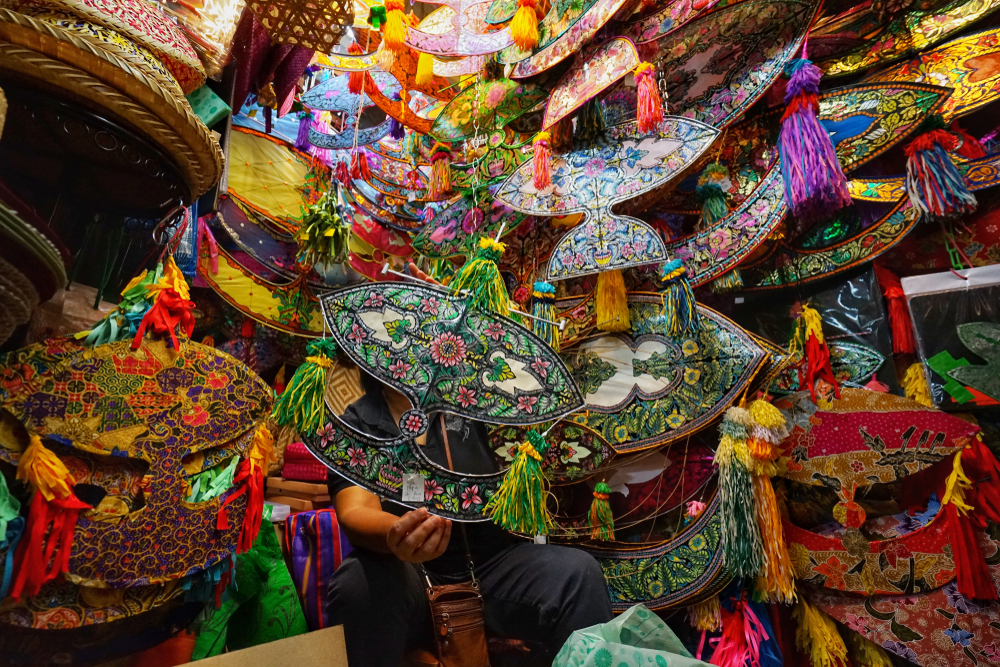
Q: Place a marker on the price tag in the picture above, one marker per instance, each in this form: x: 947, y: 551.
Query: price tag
x: 413, y: 487
x: 541, y: 539
x: 739, y: 299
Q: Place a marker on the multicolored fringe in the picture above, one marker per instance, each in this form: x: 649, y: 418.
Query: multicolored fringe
x: 612, y: 302
x: 544, y: 308
x: 808, y: 339
x: 971, y: 572
x: 301, y: 405
x: 814, y: 180
x: 480, y: 276
x: 713, y: 185
x: 679, y: 302
x: 649, y: 105
x: 935, y: 186
x: 440, y: 181
x: 519, y: 505
x: 706, y: 616
x: 741, y: 540
x: 730, y: 281
x: 602, y: 521
x: 44, y: 550
x: 590, y: 123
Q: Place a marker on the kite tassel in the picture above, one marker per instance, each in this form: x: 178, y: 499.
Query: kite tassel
x: 814, y: 180
x: 440, y: 183
x: 481, y: 277
x: 741, y: 539
x: 302, y: 138
x: 935, y: 186
x: 524, y: 26
x: 425, y: 69
x: 816, y: 351
x: 519, y: 505
x: 542, y: 161
x: 649, y: 112
x: 301, y: 405
x: 612, y: 302
x: 706, y: 616
x: 816, y: 636
x: 602, y: 521
x: 44, y: 549
x: 681, y: 307
x: 915, y: 385
x: 395, y: 29
x: 900, y: 323
x: 713, y: 184
x: 544, y: 310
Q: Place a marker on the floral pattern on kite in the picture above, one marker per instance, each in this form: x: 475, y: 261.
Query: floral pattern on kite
x: 486, y: 105
x: 595, y: 69
x: 682, y: 570
x: 601, y: 245
x: 350, y: 137
x: 649, y: 389
x: 333, y: 94
x: 466, y: 36
x: 379, y: 466
x: 575, y: 452
x: 444, y: 355
x: 853, y: 365
x: 622, y: 165
x: 715, y: 67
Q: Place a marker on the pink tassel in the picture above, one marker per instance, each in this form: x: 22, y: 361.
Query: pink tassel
x: 542, y: 162
x: 205, y: 237
x: 650, y: 107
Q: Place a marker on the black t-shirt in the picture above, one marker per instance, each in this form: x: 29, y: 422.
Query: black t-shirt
x: 467, y: 441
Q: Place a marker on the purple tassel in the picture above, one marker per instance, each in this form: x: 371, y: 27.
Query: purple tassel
x: 302, y: 138
x: 396, y: 130
x: 815, y: 185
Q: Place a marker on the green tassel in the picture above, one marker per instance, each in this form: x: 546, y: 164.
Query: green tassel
x: 301, y: 405
x: 728, y: 281
x: 544, y: 306
x: 681, y: 307
x: 712, y: 186
x: 519, y: 503
x: 741, y: 540
x: 602, y: 521
x: 481, y: 277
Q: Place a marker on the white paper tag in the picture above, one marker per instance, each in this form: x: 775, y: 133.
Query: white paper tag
x: 541, y: 539
x: 413, y: 487
x: 739, y: 299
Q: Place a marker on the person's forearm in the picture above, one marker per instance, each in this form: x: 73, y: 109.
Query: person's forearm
x: 367, y: 527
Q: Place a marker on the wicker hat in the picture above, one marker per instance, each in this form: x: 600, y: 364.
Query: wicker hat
x: 85, y: 62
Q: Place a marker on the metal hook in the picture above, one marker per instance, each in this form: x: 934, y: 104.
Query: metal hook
x: 169, y: 221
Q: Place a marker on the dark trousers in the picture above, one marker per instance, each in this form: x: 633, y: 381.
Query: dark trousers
x: 535, y: 593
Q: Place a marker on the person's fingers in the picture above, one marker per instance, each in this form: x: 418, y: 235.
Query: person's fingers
x: 403, y: 526
x: 416, y: 538
x: 445, y: 539
x: 428, y: 549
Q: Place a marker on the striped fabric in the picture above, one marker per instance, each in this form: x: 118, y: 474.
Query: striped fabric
x: 317, y: 545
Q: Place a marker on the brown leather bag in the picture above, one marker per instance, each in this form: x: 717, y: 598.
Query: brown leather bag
x: 459, y: 629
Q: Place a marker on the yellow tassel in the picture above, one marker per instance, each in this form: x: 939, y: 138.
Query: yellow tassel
x: 915, y: 385
x: 524, y: 27
x: 612, y: 302
x: 817, y: 637
x: 956, y: 486
x: 43, y: 470
x: 706, y: 616
x: 262, y: 450
x: 765, y: 414
x: 395, y: 28
x: 425, y: 69
x: 813, y: 323
x: 866, y: 653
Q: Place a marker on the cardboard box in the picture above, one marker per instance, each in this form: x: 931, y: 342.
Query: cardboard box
x: 323, y: 648
x: 298, y: 504
x: 287, y: 486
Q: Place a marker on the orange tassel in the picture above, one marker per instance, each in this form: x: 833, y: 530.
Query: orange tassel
x: 542, y: 177
x: 355, y: 80
x: 649, y: 112
x: 395, y: 28
x: 524, y: 27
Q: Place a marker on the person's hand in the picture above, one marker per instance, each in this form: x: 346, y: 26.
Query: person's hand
x: 419, y: 536
x: 417, y: 273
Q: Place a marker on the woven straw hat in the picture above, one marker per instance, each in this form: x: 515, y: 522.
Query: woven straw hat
x: 87, y: 64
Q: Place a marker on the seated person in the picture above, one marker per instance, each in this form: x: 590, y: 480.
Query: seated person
x: 535, y: 593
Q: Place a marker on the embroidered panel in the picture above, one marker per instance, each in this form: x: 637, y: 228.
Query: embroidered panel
x: 451, y: 233
x: 649, y: 389
x: 970, y: 65
x: 619, y: 167
x: 575, y: 452
x: 501, y: 11
x: 664, y: 21
x: 680, y: 571
x: 444, y: 355
x: 350, y: 137
x: 492, y: 167
x: 718, y: 248
x: 486, y: 105
x: 333, y: 95
x: 569, y: 38
x: 979, y: 174
x: 460, y: 67
x: 466, y: 36
x: 907, y: 33
x: 853, y: 365
x: 865, y: 437
x: 154, y: 404
x: 983, y: 340
x: 937, y: 629
x: 602, y: 245
x: 343, y: 62
x: 715, y: 67
x: 594, y: 70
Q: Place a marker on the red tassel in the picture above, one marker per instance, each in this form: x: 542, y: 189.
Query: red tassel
x: 44, y: 554
x: 249, y: 480
x: 967, y: 145
x: 983, y: 467
x: 168, y: 313
x: 355, y: 80
x: 810, y: 330
x: 359, y: 165
x: 343, y: 174
x: 649, y: 112
x: 542, y: 162
x: 971, y: 572
x: 742, y: 636
x: 899, y: 313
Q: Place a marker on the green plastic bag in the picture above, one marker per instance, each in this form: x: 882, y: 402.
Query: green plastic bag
x: 261, y: 608
x: 637, y: 638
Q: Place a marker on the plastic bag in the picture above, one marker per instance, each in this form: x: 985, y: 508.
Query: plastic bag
x: 637, y: 638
